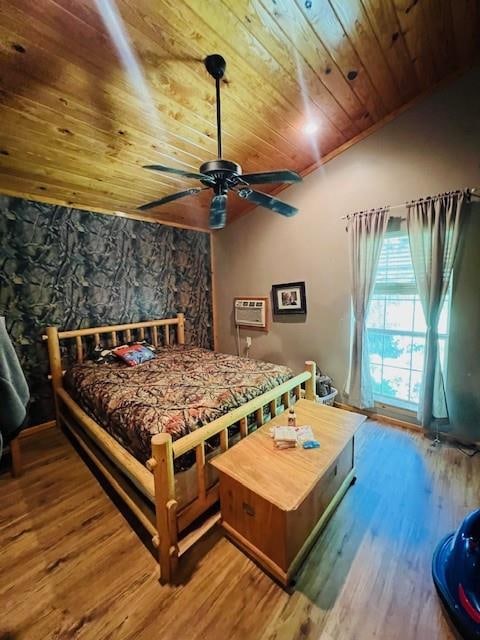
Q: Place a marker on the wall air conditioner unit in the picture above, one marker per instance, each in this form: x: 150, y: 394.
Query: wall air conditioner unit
x: 251, y: 313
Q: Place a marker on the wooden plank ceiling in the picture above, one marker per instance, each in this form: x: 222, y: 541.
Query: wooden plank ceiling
x: 90, y: 91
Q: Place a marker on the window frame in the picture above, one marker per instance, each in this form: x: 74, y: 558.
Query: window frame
x: 384, y: 290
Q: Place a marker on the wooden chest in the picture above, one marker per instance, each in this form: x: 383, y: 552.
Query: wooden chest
x: 275, y: 502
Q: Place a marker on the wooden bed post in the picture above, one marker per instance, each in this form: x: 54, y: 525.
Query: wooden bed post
x: 310, y: 384
x: 55, y: 365
x: 181, y: 328
x: 165, y: 505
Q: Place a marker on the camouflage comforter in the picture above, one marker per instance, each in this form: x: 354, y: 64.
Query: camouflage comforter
x: 182, y: 389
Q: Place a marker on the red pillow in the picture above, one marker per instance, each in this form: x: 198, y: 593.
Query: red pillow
x: 133, y: 354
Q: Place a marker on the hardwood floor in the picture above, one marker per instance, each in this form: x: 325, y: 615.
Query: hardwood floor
x: 71, y: 566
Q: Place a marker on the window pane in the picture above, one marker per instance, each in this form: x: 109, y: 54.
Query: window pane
x: 397, y: 350
x: 375, y: 346
x: 415, y: 386
x: 376, y: 373
x: 418, y: 353
x: 376, y: 313
x: 399, y: 313
x: 395, y: 267
x: 443, y: 318
x: 419, y: 324
x: 396, y: 382
x: 441, y: 353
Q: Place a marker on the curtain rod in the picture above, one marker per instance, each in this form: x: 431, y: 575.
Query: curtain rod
x: 475, y: 191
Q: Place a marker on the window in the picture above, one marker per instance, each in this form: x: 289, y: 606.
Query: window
x: 396, y: 327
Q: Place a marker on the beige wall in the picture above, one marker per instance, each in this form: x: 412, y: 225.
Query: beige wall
x: 433, y: 147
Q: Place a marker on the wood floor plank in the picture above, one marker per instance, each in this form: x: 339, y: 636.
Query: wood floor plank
x: 72, y: 566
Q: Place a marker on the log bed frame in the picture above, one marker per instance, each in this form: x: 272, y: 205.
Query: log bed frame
x: 149, y: 491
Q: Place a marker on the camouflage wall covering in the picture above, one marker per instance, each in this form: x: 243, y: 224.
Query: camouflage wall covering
x: 72, y: 268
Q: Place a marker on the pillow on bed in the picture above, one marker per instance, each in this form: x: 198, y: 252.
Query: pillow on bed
x: 106, y: 355
x: 133, y: 354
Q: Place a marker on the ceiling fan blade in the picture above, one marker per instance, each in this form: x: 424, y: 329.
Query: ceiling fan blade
x: 170, y: 198
x: 267, y: 201
x: 272, y: 176
x: 218, y: 212
x: 179, y: 172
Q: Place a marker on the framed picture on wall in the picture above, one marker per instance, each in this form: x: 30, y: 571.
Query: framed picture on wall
x: 289, y: 298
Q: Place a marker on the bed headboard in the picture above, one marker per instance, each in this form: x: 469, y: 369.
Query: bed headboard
x: 110, y: 336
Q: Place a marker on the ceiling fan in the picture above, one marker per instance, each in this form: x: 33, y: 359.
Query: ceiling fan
x: 222, y: 175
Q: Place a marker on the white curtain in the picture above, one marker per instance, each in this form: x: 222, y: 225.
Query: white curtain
x: 433, y: 230
x: 366, y: 231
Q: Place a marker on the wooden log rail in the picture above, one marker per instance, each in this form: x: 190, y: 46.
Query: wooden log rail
x: 254, y: 406
x: 115, y: 335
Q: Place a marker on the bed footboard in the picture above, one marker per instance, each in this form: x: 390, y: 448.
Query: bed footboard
x: 171, y: 521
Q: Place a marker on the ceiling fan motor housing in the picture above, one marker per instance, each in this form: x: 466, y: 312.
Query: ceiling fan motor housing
x: 220, y: 169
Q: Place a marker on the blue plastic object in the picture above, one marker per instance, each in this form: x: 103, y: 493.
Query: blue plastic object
x: 310, y: 444
x: 456, y: 574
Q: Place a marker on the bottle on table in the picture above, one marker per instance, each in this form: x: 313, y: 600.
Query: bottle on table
x: 292, y: 418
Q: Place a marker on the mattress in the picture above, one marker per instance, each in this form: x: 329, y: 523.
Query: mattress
x: 178, y: 392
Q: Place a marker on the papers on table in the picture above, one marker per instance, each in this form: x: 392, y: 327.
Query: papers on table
x: 289, y: 437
